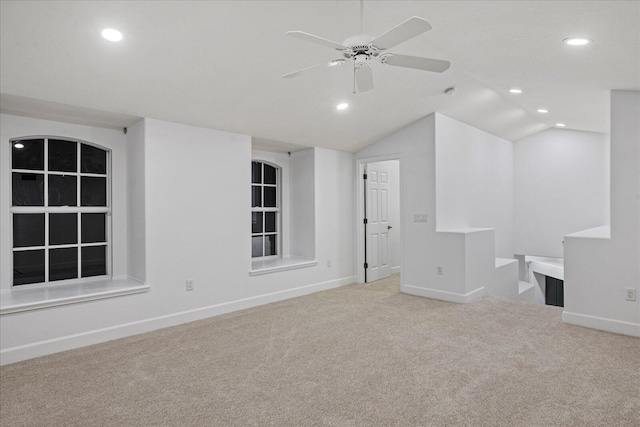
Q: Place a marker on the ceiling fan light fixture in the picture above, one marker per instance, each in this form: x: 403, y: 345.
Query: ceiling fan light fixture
x: 342, y: 106
x: 576, y: 41
x: 515, y: 90
x: 112, y: 35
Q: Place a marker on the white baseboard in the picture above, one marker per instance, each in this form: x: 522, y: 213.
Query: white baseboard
x: 395, y: 270
x: 443, y: 295
x: 42, y: 348
x: 602, y: 323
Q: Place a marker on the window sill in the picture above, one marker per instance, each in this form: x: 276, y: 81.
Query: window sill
x: 15, y: 301
x: 280, y: 264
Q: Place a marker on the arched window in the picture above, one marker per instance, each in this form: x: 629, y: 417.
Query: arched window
x: 59, y: 210
x: 265, y: 210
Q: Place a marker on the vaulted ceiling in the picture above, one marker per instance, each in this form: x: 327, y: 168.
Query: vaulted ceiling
x: 218, y: 64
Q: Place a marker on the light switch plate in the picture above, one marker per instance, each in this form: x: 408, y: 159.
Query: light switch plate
x: 419, y: 217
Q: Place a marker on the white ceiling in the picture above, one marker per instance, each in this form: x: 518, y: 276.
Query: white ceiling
x: 218, y: 65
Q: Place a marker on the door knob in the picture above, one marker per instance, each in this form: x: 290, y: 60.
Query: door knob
x: 389, y: 227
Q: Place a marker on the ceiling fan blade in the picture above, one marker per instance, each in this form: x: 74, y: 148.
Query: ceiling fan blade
x: 401, y: 32
x: 315, y: 39
x: 324, y: 64
x: 364, y: 79
x: 419, y: 63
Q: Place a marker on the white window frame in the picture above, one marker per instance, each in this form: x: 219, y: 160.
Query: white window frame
x: 79, y: 210
x: 264, y: 210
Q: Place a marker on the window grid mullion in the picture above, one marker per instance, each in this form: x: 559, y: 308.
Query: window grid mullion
x: 79, y: 244
x: 264, y: 225
x: 87, y: 245
x: 38, y: 172
x: 78, y: 168
x: 107, y: 218
x: 62, y: 173
x: 46, y: 248
x: 46, y: 215
x: 278, y: 214
x: 262, y: 204
x: 59, y: 209
x: 46, y: 172
x: 64, y: 246
x: 79, y: 204
x: 262, y: 200
x: 28, y: 248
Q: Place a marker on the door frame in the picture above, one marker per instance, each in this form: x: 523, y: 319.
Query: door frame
x: 359, y: 200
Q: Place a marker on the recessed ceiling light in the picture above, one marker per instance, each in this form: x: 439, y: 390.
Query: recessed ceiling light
x: 18, y: 145
x: 342, y: 106
x: 112, y: 35
x: 515, y: 90
x: 336, y: 62
x: 450, y: 91
x: 576, y: 41
x: 560, y: 125
x: 542, y: 110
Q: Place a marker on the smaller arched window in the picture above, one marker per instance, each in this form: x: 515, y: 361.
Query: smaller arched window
x: 59, y: 210
x: 265, y: 210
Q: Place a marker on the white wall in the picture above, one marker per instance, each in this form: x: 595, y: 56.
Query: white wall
x: 601, y: 264
x: 303, y: 201
x: 424, y: 249
x: 561, y: 186
x: 414, y: 145
x: 474, y: 181
x: 136, y: 241
x: 197, y: 192
x: 334, y: 213
x: 198, y: 212
x: 394, y: 215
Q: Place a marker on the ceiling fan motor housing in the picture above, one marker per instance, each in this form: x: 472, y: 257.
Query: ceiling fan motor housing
x: 360, y: 49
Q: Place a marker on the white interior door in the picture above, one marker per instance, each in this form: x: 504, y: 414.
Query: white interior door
x: 377, y: 221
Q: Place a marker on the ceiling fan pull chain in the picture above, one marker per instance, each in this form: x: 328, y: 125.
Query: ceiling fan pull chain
x: 354, y: 77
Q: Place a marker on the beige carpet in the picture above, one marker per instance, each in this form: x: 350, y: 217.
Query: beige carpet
x: 361, y: 355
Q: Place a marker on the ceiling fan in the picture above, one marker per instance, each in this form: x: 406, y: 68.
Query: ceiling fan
x: 362, y: 49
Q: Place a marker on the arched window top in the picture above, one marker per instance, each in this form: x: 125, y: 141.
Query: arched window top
x: 264, y: 172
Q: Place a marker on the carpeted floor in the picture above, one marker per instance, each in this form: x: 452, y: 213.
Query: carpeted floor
x: 360, y: 355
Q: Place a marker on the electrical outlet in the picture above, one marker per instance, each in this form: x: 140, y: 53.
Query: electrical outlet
x: 631, y: 294
x: 189, y: 284
x: 329, y: 262
x: 439, y: 271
